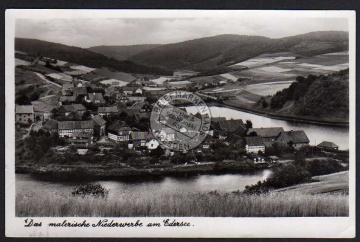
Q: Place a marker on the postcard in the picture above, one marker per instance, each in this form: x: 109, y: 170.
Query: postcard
x: 180, y: 123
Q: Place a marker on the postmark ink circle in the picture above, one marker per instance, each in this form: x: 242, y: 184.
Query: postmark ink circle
x: 174, y: 127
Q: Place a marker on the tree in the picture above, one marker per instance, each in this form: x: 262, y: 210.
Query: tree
x: 249, y: 124
x: 158, y: 152
x: 252, y: 133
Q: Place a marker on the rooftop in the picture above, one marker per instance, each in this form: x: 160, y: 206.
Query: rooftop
x: 50, y: 125
x: 98, y: 120
x: 297, y: 136
x: 118, y: 125
x: 266, y: 132
x: 76, y: 124
x: 24, y: 109
x: 113, y: 109
x: 254, y: 141
x: 327, y: 144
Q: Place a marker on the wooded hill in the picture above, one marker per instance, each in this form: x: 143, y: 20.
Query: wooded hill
x: 82, y: 56
x: 121, y: 52
x: 317, y: 96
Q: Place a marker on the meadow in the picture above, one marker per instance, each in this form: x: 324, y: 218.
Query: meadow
x: 212, y: 204
x: 112, y: 81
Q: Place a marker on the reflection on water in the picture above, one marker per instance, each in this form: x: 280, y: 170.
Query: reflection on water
x: 27, y: 185
x: 315, y: 133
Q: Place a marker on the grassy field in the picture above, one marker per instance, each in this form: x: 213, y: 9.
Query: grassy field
x: 332, y: 183
x: 114, y: 75
x: 284, y: 204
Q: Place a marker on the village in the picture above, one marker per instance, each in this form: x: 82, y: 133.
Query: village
x: 88, y: 114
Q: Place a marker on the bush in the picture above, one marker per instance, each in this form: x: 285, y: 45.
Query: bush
x: 282, y: 176
x: 94, y: 190
x: 323, y: 167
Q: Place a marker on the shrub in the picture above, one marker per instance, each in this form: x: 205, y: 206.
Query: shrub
x: 323, y: 167
x: 282, y: 176
x: 94, y: 190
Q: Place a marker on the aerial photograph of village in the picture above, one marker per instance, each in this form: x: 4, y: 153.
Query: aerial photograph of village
x: 277, y: 140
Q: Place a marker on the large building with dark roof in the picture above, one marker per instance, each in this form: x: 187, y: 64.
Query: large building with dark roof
x: 227, y: 127
x: 254, y: 144
x: 67, y: 128
x: 294, y: 138
x: 268, y: 134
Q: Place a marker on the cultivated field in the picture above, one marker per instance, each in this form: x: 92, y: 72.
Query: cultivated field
x: 264, y: 89
x: 286, y: 204
x: 275, y: 67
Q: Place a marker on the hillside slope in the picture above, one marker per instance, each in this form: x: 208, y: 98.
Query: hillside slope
x: 81, y: 56
x: 317, y: 96
x: 223, y: 50
x: 121, y: 52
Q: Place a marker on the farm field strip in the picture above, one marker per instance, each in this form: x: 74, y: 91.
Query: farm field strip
x: 162, y: 79
x: 112, y: 81
x: 19, y: 62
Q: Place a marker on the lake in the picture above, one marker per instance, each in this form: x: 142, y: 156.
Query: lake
x: 29, y: 186
x: 315, y: 133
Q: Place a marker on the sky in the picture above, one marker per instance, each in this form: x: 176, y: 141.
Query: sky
x: 132, y: 31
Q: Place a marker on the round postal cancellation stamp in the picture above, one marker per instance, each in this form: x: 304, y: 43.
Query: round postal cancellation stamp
x: 174, y: 127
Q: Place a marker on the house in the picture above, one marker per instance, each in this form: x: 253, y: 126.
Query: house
x: 107, y: 111
x: 43, y: 110
x: 130, y: 90
x: 111, y: 91
x: 136, y: 99
x: 51, y: 126
x: 67, y: 99
x: 80, y: 138
x: 234, y: 126
x: 152, y: 144
x: 99, y: 125
x: 254, y: 144
x: 24, y: 114
x: 80, y: 91
x: 95, y: 98
x: 77, y: 109
x: 273, y: 159
x: 67, y: 89
x: 119, y: 131
x: 292, y: 138
x: 67, y: 128
x: 139, y: 139
x: 268, y: 134
x: 327, y: 145
x: 141, y: 107
x: 120, y: 97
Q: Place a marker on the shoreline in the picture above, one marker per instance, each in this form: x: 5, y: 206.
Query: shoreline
x: 89, y: 173
x: 278, y: 117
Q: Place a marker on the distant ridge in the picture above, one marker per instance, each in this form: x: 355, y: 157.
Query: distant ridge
x: 121, y: 52
x: 82, y: 57
x: 223, y: 50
